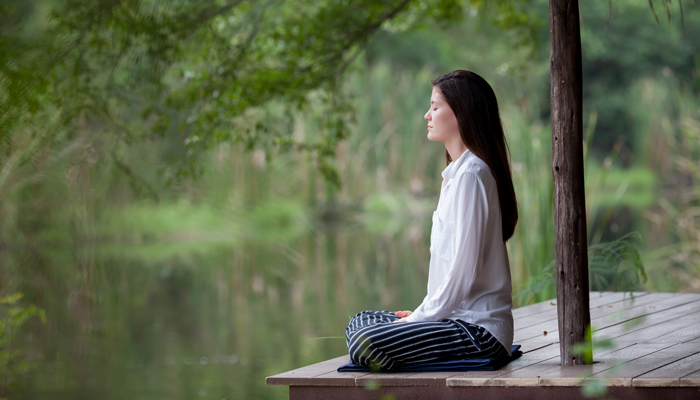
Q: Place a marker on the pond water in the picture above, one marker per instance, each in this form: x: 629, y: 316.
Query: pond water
x: 204, y: 320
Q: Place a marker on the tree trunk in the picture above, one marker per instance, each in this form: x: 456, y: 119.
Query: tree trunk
x: 567, y: 174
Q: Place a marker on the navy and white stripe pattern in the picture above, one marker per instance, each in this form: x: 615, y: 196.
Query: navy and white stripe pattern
x: 374, y: 341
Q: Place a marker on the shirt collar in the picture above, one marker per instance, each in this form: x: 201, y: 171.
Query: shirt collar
x: 451, y: 170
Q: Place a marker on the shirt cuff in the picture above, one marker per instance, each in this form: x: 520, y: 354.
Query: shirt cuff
x: 412, y: 318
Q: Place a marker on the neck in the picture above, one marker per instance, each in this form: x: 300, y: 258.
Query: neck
x: 455, y: 149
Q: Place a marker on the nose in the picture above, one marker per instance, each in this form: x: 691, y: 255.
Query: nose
x: 427, y: 116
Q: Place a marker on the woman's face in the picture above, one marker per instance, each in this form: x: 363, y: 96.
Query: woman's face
x: 442, y: 123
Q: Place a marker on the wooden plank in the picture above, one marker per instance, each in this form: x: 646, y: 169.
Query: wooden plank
x: 640, y: 366
x: 570, y: 376
x: 604, y: 300
x: 384, y: 379
x: 665, y: 332
x: 481, y: 378
x: 604, y: 360
x: 625, y: 330
x: 412, y: 379
x: 618, y: 313
x: 551, y: 305
x: 430, y: 378
x: 536, y: 308
x: 528, y: 376
x: 304, y: 376
x: 335, y: 378
x: 680, y: 336
x: 669, y: 375
x: 461, y: 393
x: 692, y: 380
x: 551, y: 326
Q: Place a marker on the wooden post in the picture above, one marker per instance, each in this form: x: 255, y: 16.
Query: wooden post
x: 567, y: 174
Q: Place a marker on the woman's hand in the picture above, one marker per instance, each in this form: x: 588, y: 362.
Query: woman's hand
x: 403, y: 315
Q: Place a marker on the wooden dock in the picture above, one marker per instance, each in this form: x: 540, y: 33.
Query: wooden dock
x: 655, y: 354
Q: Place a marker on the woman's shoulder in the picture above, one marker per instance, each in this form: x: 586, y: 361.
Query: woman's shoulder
x: 476, y: 167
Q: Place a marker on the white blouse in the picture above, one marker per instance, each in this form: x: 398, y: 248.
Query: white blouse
x: 469, y: 276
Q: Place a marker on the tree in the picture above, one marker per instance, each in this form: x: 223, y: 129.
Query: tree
x: 567, y: 177
x: 197, y: 72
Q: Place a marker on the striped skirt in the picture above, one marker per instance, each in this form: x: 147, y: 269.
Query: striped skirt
x: 374, y: 341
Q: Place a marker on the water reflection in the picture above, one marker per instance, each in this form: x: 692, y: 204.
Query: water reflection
x: 133, y: 322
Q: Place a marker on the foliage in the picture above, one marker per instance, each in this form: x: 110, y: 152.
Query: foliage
x: 12, y: 317
x: 675, y: 216
x: 623, y: 42
x: 614, y: 265
x: 195, y: 72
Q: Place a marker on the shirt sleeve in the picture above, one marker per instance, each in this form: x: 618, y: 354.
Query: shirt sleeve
x: 471, y: 218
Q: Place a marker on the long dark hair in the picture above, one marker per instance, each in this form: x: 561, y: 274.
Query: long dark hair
x: 474, y: 104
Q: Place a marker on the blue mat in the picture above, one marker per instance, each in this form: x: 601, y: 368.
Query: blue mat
x: 476, y: 364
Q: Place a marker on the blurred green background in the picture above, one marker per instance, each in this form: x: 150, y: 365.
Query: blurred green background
x: 195, y: 195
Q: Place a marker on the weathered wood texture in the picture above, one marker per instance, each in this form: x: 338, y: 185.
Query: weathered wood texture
x: 567, y: 172
x: 654, y: 354
x: 484, y: 393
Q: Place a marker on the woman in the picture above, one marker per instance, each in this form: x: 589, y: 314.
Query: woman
x: 467, y: 311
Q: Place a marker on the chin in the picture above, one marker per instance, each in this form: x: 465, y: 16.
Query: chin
x: 433, y: 138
